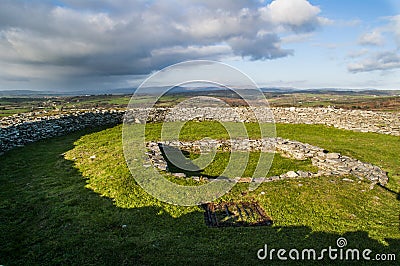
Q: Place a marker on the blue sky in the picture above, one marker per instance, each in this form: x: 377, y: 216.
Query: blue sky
x: 72, y: 45
x: 321, y: 60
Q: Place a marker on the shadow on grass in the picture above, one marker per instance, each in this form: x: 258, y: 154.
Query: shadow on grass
x: 49, y: 217
x: 172, y: 151
x: 391, y: 191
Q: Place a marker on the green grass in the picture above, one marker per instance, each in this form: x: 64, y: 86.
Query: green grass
x: 381, y: 150
x: 378, y: 149
x: 216, y: 168
x: 69, y: 209
x: 101, y: 100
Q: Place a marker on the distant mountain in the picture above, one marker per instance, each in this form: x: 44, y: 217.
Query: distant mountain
x: 29, y: 93
x: 195, y: 90
x: 32, y: 93
x: 117, y: 91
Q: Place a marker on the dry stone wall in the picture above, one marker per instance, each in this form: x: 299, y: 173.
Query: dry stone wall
x: 20, y: 129
x: 329, y: 164
x: 356, y: 120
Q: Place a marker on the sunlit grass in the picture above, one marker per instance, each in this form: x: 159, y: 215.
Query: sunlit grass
x: 49, y: 217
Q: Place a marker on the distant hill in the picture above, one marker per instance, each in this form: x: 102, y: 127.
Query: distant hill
x: 25, y: 93
x: 195, y: 90
x: 32, y: 93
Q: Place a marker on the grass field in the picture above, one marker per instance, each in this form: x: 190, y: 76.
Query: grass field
x: 58, y: 206
x: 13, y: 111
x: 15, y: 105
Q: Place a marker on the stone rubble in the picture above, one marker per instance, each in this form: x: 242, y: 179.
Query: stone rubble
x: 24, y: 128
x: 328, y: 163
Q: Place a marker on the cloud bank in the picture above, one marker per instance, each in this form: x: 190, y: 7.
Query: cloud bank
x: 76, y: 41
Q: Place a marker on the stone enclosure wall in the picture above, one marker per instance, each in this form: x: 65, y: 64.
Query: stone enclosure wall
x: 20, y: 129
x: 356, y: 120
x: 329, y: 164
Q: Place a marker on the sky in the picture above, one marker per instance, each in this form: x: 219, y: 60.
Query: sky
x: 68, y: 45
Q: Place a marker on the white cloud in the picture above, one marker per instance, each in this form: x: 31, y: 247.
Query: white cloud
x: 374, y: 38
x: 380, y: 61
x: 299, y: 15
x: 385, y: 57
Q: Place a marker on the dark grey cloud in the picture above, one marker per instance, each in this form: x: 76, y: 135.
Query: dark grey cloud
x: 81, y: 39
x: 259, y: 48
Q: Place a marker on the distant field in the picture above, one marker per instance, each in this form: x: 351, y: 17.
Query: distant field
x: 13, y: 105
x: 10, y: 106
x: 9, y: 112
x: 363, y: 102
x: 58, y: 206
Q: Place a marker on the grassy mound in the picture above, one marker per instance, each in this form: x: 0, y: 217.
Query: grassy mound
x: 49, y: 217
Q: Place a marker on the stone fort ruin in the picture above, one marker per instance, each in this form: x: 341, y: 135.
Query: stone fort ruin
x: 21, y: 129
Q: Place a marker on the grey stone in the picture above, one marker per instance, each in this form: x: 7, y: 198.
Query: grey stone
x: 292, y: 174
x: 274, y: 178
x: 179, y: 175
x: 332, y: 155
